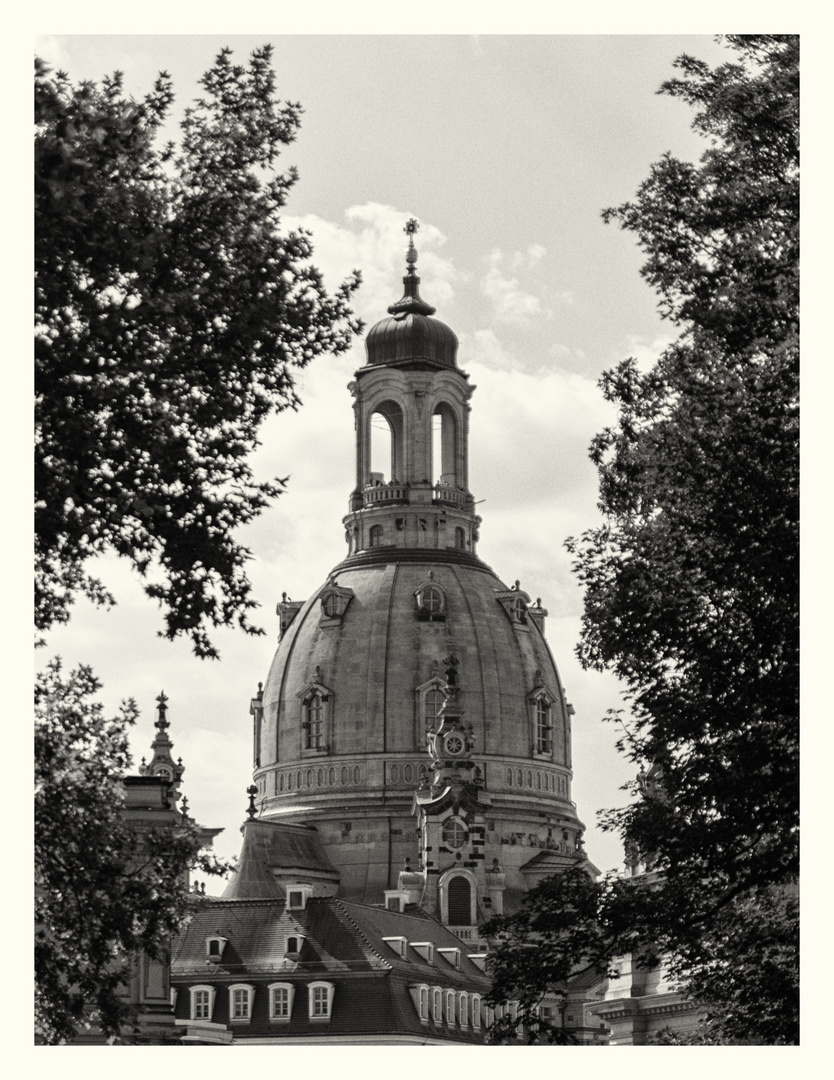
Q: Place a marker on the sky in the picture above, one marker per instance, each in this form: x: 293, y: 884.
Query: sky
x: 506, y: 149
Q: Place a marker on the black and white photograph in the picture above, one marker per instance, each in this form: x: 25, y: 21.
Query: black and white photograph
x: 416, y: 540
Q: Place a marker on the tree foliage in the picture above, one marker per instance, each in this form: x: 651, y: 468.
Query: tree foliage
x: 691, y: 582
x: 171, y: 314
x: 101, y: 893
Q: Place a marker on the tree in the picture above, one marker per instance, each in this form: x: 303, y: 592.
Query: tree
x: 691, y: 582
x: 170, y: 315
x: 101, y: 895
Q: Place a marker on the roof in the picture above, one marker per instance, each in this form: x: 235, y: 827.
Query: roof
x: 343, y: 944
x: 295, y: 850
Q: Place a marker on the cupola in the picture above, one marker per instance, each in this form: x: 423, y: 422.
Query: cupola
x: 411, y: 334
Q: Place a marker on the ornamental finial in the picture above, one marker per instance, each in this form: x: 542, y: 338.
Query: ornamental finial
x: 252, y: 791
x: 411, y: 227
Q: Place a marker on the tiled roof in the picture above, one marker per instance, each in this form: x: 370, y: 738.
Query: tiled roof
x: 343, y: 945
x: 293, y: 848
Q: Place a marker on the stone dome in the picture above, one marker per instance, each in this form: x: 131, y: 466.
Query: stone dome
x: 375, y: 667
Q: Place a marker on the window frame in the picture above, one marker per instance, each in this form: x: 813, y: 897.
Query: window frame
x: 274, y: 988
x: 249, y: 991
x: 194, y: 991
x: 313, y: 997
x: 475, y: 1011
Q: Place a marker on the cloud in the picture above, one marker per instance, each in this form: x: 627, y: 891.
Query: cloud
x: 50, y: 49
x: 510, y: 301
x: 371, y: 238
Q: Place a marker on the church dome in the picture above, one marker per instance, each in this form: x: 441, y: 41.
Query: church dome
x: 357, y: 726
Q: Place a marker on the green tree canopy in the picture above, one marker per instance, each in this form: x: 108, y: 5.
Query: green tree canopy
x: 691, y: 582
x: 171, y: 313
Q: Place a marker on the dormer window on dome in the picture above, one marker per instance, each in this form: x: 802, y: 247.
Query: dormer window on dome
x: 334, y: 602
x: 431, y: 601
x: 316, y: 714
x: 515, y: 602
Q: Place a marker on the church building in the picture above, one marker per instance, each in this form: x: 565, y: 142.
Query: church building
x: 412, y: 754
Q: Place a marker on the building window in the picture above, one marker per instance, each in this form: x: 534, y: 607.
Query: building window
x: 375, y: 536
x: 313, y: 722
x: 460, y: 538
x: 421, y: 1001
x: 437, y: 1005
x: 450, y: 1007
x: 463, y: 1009
x: 544, y: 743
x: 321, y: 1000
x: 432, y: 704
x: 459, y: 901
x: 455, y: 834
x: 280, y: 1002
x: 240, y: 1001
x: 431, y: 601
x: 202, y: 1002
x: 476, y: 1012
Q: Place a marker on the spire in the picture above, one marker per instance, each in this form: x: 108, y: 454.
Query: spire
x: 411, y: 301
x: 162, y: 763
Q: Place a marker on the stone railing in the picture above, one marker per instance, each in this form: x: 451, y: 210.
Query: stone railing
x: 450, y: 495
x: 382, y: 493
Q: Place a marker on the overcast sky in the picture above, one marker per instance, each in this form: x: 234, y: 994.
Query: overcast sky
x: 506, y: 149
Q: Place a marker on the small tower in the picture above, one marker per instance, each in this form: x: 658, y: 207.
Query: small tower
x: 411, y: 377
x: 162, y: 763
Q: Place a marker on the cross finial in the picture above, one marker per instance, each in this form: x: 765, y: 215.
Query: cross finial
x: 411, y: 226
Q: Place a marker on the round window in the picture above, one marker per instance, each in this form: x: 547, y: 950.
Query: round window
x: 454, y: 744
x: 455, y: 834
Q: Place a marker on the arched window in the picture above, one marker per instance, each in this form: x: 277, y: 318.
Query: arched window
x: 476, y: 1011
x: 459, y: 892
x: 432, y: 704
x: 280, y: 1002
x: 320, y: 1000
x: 313, y: 722
x: 544, y: 729
x: 202, y: 1002
x: 444, y: 447
x: 460, y: 538
x: 240, y: 1001
x: 463, y: 1009
x: 437, y: 1005
x: 450, y: 1007
x: 375, y: 536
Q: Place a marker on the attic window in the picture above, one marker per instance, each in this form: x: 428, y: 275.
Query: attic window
x: 479, y: 960
x: 395, y: 900
x: 298, y: 896
x: 398, y: 944
x: 452, y: 956
x: 425, y: 949
x: 215, y: 944
x: 295, y: 944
